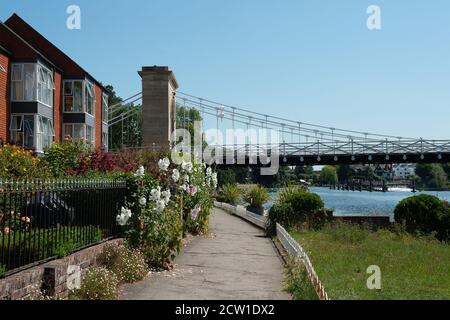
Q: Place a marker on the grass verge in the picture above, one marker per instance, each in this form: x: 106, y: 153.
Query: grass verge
x: 411, y: 267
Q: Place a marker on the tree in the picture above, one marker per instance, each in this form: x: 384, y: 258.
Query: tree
x: 328, y: 175
x: 126, y: 132
x: 186, y: 118
x: 345, y: 173
x: 304, y: 172
x: 431, y: 176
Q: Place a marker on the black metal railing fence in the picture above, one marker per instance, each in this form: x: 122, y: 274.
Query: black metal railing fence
x: 42, y: 220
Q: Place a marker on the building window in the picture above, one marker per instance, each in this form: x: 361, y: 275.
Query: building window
x: 90, y: 98
x: 31, y: 131
x: 79, y: 96
x: 79, y: 132
x: 32, y: 82
x: 105, y: 108
x: 73, y: 96
x: 45, y: 86
x: 2, y: 69
x: 105, y: 141
x: 45, y: 133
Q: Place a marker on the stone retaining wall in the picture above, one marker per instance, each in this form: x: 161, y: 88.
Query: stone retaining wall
x: 52, y: 277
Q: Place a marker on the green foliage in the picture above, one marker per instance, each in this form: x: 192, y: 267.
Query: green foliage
x: 296, y: 281
x: 256, y: 196
x: 15, y: 162
x: 426, y: 214
x: 61, y: 157
x: 230, y: 193
x: 298, y: 208
x: 345, y: 173
x: 226, y: 176
x: 127, y: 264
x: 328, y: 175
x: 99, y: 284
x: 431, y: 176
x: 2, y: 269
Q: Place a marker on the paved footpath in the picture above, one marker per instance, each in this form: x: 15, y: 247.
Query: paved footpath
x: 235, y: 261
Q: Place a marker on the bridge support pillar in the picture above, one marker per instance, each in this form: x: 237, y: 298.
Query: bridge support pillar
x: 159, y: 87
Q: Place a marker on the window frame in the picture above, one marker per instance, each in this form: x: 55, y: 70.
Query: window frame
x: 2, y: 68
x: 105, y: 108
x: 84, y: 135
x: 22, y: 130
x: 37, y: 66
x: 86, y: 85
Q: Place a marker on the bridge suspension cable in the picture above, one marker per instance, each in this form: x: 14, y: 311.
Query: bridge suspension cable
x: 324, y: 129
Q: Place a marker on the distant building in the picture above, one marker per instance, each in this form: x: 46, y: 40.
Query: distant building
x: 385, y: 171
x: 404, y: 171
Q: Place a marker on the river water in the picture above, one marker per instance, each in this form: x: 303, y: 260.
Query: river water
x: 363, y: 203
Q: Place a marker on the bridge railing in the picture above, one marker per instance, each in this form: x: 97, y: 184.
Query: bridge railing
x: 341, y: 147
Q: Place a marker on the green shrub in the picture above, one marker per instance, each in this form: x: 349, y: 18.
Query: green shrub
x: 230, y: 193
x: 99, y: 284
x: 424, y: 214
x: 2, y: 269
x: 127, y: 264
x: 61, y: 157
x: 256, y: 196
x: 298, y: 208
x: 16, y: 162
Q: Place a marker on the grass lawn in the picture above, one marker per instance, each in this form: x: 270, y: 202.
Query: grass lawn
x: 411, y: 267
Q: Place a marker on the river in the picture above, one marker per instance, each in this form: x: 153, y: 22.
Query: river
x: 363, y: 203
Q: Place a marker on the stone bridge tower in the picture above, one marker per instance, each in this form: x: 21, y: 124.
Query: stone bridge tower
x: 159, y: 87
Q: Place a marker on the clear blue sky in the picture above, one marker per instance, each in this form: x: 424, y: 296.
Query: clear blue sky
x: 311, y: 61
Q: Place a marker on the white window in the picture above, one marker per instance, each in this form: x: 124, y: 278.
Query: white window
x: 32, y: 82
x: 90, y: 98
x: 45, y: 133
x: 22, y: 128
x: 90, y: 135
x: 105, y: 140
x: 73, y: 96
x: 45, y: 86
x: 105, y: 108
x: 79, y: 96
x: 2, y: 68
x: 79, y: 132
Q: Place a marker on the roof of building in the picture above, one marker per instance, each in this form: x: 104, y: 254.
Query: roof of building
x: 53, y: 53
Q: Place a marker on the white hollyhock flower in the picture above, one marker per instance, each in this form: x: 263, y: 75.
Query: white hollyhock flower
x: 208, y: 171
x: 164, y: 164
x: 186, y: 166
x: 140, y: 172
x: 123, y: 217
x: 184, y: 187
x: 142, y: 201
x: 175, y: 175
x: 160, y: 206
x: 186, y: 178
x: 155, y: 194
x: 214, y: 179
x: 165, y: 195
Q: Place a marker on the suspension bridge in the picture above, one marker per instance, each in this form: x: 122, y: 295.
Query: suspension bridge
x: 297, y: 142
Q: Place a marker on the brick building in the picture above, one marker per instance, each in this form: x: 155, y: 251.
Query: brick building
x: 45, y: 95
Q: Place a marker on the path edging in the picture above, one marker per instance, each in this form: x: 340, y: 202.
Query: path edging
x: 292, y: 247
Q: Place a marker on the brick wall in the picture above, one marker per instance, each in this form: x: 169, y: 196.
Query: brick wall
x: 52, y: 275
x: 4, y: 98
x: 98, y: 116
x: 57, y: 109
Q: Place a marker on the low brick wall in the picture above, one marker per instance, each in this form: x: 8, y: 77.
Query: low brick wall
x: 52, y: 276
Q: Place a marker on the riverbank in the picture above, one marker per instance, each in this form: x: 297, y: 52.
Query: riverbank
x: 410, y: 267
x: 355, y: 203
